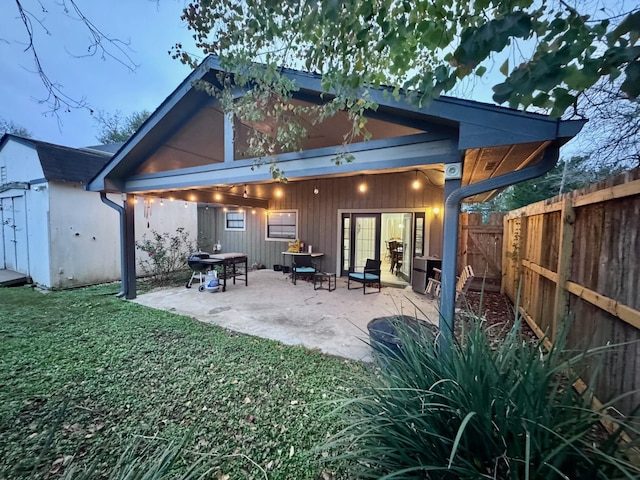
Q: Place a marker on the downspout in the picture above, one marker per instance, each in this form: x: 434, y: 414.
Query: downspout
x: 450, y: 235
x: 123, y: 263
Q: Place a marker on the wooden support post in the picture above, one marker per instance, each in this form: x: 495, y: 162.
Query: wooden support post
x: 506, y: 264
x: 565, y: 249
x: 520, y: 253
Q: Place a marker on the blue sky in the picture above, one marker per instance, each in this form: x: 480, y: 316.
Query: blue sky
x: 151, y: 29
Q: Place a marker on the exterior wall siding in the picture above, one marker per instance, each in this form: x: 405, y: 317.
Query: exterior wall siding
x: 85, y: 233
x: 318, y: 223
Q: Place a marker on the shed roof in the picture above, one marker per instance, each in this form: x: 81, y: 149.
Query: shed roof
x: 64, y: 164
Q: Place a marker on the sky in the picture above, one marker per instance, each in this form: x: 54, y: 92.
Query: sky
x: 151, y: 28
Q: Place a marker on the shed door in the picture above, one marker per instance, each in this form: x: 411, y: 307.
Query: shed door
x: 14, y: 234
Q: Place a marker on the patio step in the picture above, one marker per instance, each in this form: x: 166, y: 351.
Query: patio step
x: 9, y: 278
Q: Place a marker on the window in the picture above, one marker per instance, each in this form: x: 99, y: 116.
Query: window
x: 234, y: 221
x: 282, y: 225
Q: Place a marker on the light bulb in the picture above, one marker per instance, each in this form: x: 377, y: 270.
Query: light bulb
x: 162, y: 202
x: 362, y: 187
x: 316, y: 191
x: 416, y: 184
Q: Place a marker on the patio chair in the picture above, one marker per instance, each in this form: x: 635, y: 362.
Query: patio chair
x: 302, y: 265
x: 462, y: 285
x: 371, y: 274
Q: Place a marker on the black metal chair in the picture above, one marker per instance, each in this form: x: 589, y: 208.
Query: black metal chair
x: 302, y: 265
x: 371, y: 274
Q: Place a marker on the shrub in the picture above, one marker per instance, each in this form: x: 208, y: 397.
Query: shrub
x: 165, y: 253
x: 477, y: 412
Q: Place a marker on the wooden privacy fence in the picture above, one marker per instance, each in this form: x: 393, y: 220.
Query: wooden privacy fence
x: 480, y: 245
x: 578, y: 256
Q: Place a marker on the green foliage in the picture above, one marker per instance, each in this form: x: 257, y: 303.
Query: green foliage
x: 8, y: 126
x: 165, y: 253
x: 114, y: 128
x: 480, y: 412
x: 425, y: 47
x: 568, y: 175
x: 86, y: 375
x: 141, y: 461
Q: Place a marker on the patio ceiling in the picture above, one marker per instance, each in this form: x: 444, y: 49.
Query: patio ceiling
x: 188, y: 148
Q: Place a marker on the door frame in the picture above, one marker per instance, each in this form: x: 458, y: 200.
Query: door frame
x: 353, y: 216
x: 342, y: 211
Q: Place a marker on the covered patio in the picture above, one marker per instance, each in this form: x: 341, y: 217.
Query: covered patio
x: 272, y: 307
x: 455, y: 150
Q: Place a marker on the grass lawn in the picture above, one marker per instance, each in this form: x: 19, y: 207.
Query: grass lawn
x: 84, y: 374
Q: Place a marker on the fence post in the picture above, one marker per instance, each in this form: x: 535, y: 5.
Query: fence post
x: 565, y: 249
x: 522, y: 244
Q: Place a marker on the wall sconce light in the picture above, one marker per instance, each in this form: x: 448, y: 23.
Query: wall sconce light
x: 278, y: 193
x: 253, y: 211
x: 192, y: 198
x: 436, y: 210
x: 161, y: 202
x: 186, y: 204
x: 316, y: 191
x: 245, y: 194
x: 416, y: 182
x: 135, y: 200
x: 224, y: 209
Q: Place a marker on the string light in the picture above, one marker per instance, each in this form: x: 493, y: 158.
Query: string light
x: 316, y: 191
x: 362, y: 187
x: 278, y: 193
x: 416, y: 182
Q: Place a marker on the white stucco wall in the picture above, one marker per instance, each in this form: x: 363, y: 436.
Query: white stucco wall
x: 85, y: 233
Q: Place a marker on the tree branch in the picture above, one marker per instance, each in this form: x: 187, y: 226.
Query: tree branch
x: 99, y: 43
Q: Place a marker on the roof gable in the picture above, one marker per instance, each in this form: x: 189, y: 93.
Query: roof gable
x: 62, y: 163
x: 478, y: 125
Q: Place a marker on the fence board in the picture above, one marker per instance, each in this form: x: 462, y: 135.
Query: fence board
x: 579, y: 254
x: 480, y: 245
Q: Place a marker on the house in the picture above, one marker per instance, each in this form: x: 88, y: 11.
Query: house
x: 455, y: 149
x: 56, y: 232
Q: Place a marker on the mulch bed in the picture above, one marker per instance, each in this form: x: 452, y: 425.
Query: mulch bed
x: 498, y: 312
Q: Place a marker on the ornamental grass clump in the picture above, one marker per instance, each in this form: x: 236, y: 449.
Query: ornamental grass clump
x: 508, y: 412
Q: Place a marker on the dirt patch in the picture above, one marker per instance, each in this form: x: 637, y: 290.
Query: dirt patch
x: 499, y: 313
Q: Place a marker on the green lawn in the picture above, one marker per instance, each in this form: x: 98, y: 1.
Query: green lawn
x: 85, y: 374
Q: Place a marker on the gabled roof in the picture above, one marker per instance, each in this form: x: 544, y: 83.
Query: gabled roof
x: 484, y: 133
x: 64, y: 164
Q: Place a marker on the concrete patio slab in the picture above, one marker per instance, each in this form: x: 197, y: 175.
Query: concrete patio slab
x: 272, y: 307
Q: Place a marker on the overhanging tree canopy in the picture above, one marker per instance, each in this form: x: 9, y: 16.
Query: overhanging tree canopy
x: 426, y: 47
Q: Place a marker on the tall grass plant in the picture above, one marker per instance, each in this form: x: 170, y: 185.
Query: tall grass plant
x: 481, y: 411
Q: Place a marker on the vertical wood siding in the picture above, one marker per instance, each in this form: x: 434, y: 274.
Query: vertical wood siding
x: 318, y: 214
